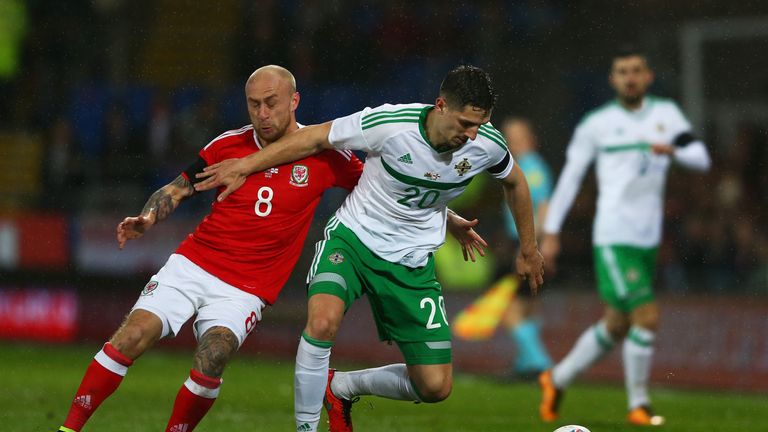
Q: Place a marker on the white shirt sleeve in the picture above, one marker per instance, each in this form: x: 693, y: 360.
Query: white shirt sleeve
x: 580, y: 154
x: 693, y: 156
x: 347, y: 133
x: 504, y: 165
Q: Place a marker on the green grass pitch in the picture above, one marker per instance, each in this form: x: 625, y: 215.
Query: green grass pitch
x: 38, y: 383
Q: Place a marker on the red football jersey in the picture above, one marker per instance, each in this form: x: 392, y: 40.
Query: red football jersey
x: 252, y: 239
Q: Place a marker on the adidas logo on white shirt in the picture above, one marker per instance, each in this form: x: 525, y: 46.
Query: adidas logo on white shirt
x: 406, y: 158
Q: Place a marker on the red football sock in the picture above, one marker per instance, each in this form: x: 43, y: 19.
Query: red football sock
x: 193, y: 401
x: 101, y: 379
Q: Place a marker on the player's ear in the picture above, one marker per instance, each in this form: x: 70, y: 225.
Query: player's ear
x: 651, y: 76
x: 295, y: 101
x: 440, y: 103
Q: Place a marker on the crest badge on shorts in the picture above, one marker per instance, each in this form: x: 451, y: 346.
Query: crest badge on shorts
x: 299, y: 176
x: 149, y: 287
x: 632, y: 275
x: 336, y: 258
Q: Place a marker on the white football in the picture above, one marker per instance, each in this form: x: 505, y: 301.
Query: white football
x: 572, y: 428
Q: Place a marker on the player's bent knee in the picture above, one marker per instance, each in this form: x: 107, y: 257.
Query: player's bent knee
x: 131, y: 340
x: 646, y: 317
x: 618, y: 332
x: 617, y: 324
x: 432, y: 382
x: 322, y: 328
x: 137, y: 334
x: 433, y: 387
x: 435, y: 392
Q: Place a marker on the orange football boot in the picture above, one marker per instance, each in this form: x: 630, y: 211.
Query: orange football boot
x: 644, y: 416
x: 550, y: 397
x: 339, y: 410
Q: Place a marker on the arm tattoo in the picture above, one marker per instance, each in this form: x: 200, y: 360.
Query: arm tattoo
x: 163, y: 203
x: 215, y: 349
x: 182, y: 183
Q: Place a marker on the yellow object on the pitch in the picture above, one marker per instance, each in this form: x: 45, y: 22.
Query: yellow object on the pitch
x: 479, y: 320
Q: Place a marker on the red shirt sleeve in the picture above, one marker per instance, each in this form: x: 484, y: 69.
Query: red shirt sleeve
x: 347, y: 169
x: 208, y: 155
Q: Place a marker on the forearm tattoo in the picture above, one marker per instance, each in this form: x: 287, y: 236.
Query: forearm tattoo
x: 182, y: 183
x: 162, y: 203
x: 215, y: 349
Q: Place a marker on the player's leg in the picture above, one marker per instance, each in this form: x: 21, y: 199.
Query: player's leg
x: 593, y: 344
x: 394, y: 381
x: 332, y: 287
x: 160, y: 311
x: 324, y: 315
x: 432, y: 382
x: 632, y: 270
x: 427, y: 377
x: 198, y: 393
x: 408, y: 308
x: 637, y: 356
x: 532, y: 357
x: 407, y: 305
x: 224, y: 320
x: 138, y: 332
x: 597, y: 341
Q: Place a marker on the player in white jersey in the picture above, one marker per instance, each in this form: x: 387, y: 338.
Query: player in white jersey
x: 632, y: 140
x: 381, y: 241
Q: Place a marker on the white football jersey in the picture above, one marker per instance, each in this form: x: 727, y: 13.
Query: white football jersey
x: 399, y: 207
x: 630, y: 178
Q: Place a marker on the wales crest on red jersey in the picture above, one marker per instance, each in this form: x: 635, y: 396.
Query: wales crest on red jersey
x: 299, y: 176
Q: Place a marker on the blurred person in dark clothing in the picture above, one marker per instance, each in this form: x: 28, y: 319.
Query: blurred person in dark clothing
x: 63, y: 167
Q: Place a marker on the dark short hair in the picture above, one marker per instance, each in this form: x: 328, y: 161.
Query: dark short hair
x: 628, y: 50
x: 468, y: 85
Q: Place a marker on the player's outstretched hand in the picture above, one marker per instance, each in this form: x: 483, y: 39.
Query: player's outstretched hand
x: 530, y: 267
x: 463, y: 231
x: 225, y: 173
x: 132, y: 228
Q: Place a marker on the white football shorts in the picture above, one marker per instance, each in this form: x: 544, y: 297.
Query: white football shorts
x: 181, y: 288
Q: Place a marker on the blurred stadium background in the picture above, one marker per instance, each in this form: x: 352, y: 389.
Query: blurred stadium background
x: 104, y: 101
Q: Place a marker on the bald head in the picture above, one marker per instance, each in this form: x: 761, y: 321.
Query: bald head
x: 274, y: 72
x: 272, y: 101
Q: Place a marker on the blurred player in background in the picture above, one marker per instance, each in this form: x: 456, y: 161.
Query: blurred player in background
x: 381, y: 241
x: 633, y: 140
x: 532, y: 357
